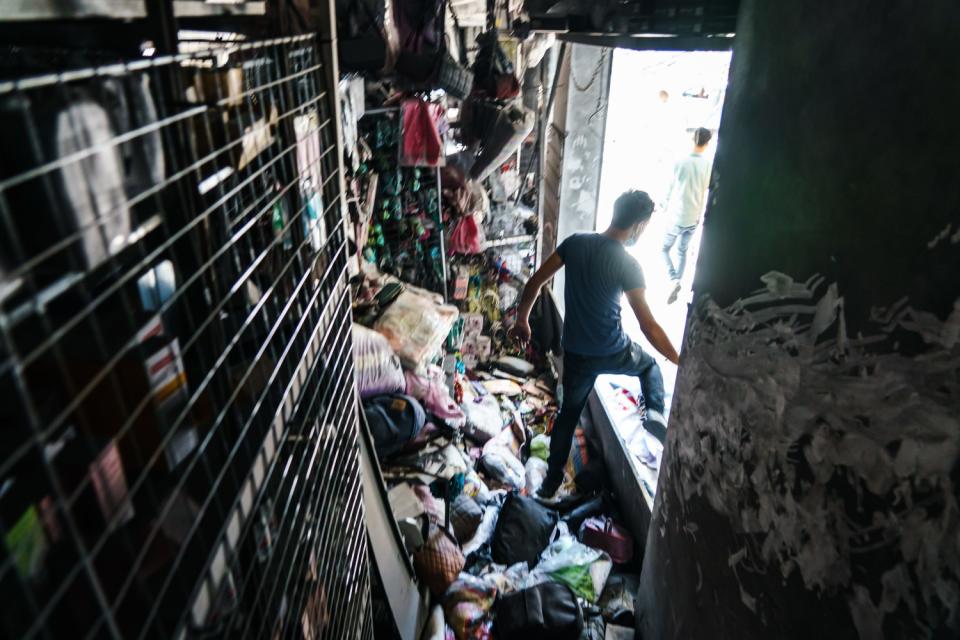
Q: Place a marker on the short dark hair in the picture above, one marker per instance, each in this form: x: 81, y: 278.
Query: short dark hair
x: 630, y: 208
x: 702, y: 136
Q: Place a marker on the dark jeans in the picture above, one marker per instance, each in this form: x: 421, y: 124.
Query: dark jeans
x: 579, y: 375
x: 684, y: 235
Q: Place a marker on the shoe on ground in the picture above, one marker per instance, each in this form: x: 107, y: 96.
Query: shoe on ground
x: 548, y: 490
x: 673, y: 294
x: 656, y: 425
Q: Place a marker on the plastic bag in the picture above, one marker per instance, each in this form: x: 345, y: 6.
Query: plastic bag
x: 377, y: 366
x: 484, y: 531
x: 501, y: 465
x: 581, y: 568
x: 416, y: 327
x: 467, y: 605
x: 475, y: 487
x: 540, y: 447
x: 484, y: 420
x: 535, y: 472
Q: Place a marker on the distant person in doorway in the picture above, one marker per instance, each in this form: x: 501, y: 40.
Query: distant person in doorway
x: 599, y: 272
x: 684, y: 204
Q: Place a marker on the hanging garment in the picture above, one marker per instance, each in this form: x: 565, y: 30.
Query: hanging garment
x: 465, y: 237
x: 85, y: 196
x: 421, y: 142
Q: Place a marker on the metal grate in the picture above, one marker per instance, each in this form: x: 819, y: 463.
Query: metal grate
x: 179, y: 440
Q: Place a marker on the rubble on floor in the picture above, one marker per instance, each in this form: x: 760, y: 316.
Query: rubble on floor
x: 463, y: 450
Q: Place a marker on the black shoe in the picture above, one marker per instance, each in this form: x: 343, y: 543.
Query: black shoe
x: 548, y: 489
x: 656, y: 425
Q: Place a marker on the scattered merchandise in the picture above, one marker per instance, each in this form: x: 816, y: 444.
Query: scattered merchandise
x: 467, y: 604
x: 465, y: 517
x: 394, y: 419
x: 523, y: 531
x: 604, y: 534
x: 618, y: 602
x: 377, y: 367
x: 583, y: 569
x: 547, y: 611
x: 439, y: 561
x: 443, y: 245
x: 416, y: 328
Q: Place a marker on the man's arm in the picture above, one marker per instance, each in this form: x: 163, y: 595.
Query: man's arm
x: 521, y: 329
x: 649, y: 325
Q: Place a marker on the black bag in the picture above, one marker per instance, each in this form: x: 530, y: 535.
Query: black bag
x: 523, y: 531
x: 394, y: 420
x: 465, y: 516
x: 547, y: 611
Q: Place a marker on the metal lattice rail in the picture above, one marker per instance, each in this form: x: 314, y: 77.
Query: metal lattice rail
x: 178, y: 449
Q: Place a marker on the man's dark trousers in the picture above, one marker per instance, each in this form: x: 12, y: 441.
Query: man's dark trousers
x: 579, y: 375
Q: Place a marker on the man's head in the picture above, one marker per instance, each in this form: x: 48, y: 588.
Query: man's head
x: 631, y: 213
x: 664, y: 96
x: 701, y: 138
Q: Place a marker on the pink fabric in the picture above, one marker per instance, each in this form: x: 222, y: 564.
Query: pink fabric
x: 465, y: 237
x: 431, y: 391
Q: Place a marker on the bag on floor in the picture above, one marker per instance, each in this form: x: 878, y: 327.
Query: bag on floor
x: 523, y: 531
x: 377, y: 366
x: 605, y: 534
x: 547, y: 611
x: 416, y: 327
x: 576, y: 565
x: 439, y: 561
x: 394, y: 420
x: 465, y: 516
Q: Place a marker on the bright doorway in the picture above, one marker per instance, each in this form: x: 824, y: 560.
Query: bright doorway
x: 656, y: 100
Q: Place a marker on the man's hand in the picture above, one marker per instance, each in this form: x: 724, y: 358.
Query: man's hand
x: 520, y: 331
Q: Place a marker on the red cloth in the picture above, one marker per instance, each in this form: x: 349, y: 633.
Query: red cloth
x: 465, y: 237
x: 421, y: 144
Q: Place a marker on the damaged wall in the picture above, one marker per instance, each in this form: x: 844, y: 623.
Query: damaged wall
x: 587, y: 90
x: 810, y: 484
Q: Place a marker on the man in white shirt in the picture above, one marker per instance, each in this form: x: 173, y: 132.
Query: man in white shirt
x: 684, y: 204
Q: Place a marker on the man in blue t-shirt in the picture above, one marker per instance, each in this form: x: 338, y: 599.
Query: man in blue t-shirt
x: 599, y: 272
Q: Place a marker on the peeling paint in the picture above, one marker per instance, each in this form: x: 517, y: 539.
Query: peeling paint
x: 825, y: 447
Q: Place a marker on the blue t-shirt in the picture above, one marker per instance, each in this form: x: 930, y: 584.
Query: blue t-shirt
x: 598, y: 271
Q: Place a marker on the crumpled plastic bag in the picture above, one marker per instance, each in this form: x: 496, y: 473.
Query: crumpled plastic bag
x: 583, y: 569
x: 416, y: 327
x: 535, y: 473
x: 540, y: 447
x: 485, y: 531
x: 467, y: 605
x: 501, y: 465
x: 484, y: 420
x: 475, y: 487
